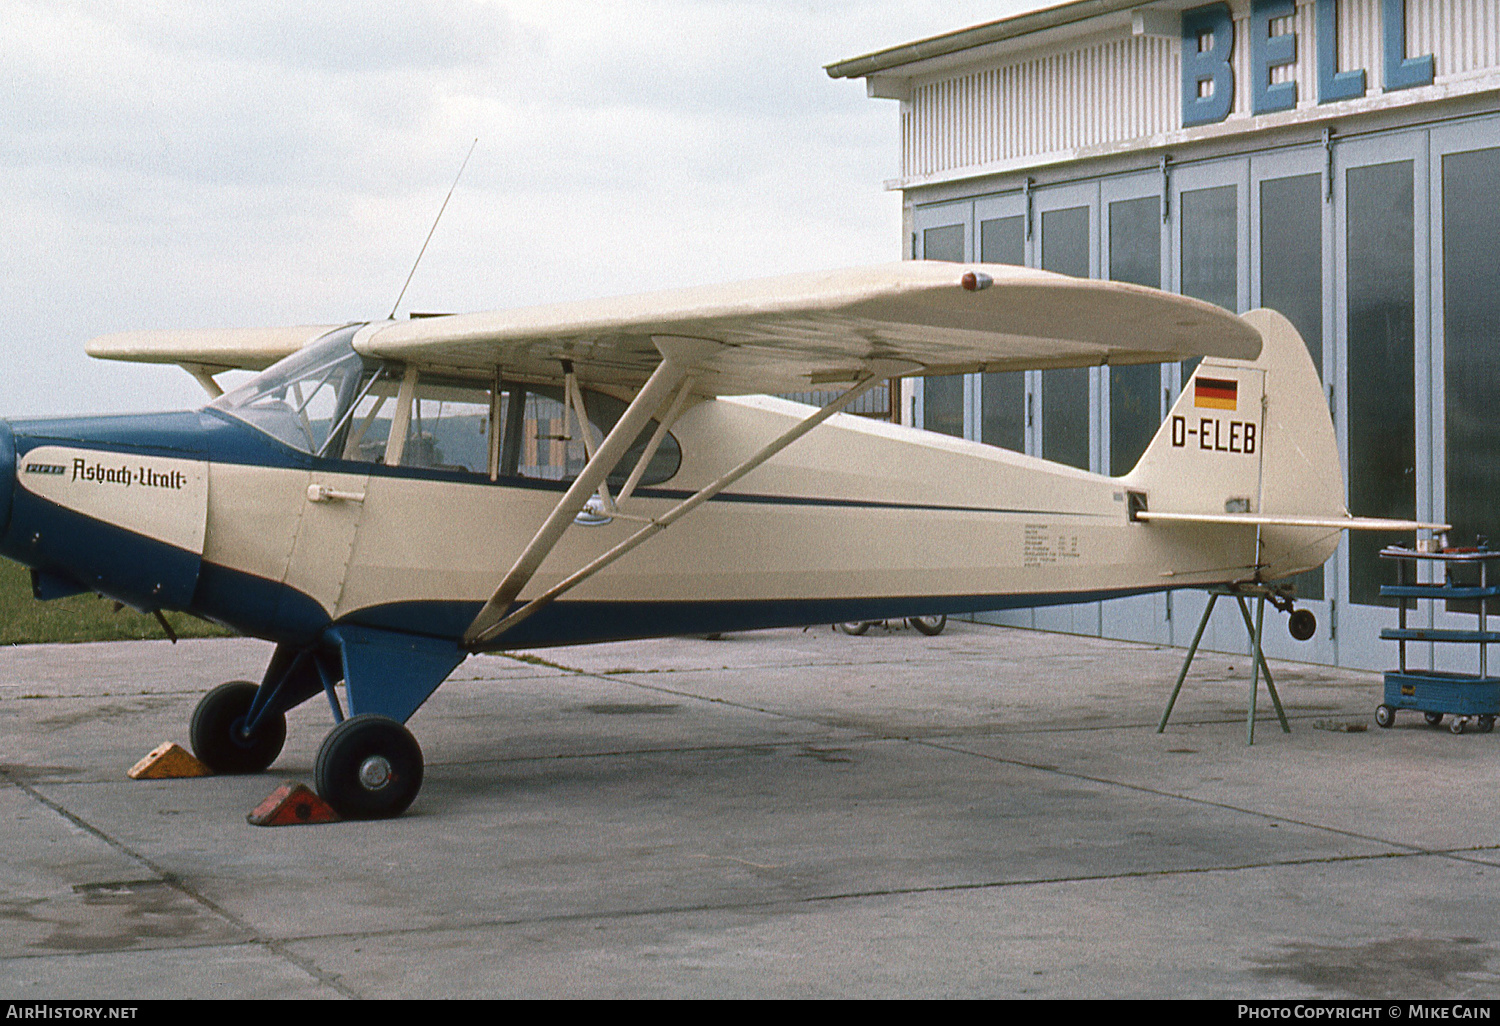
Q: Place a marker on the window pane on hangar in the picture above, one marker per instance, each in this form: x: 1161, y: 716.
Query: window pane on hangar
x: 1065, y: 393
x: 1471, y: 325
x: 1210, y: 252
x: 1134, y: 404
x: 1002, y: 240
x: 943, y: 397
x: 944, y: 243
x: 1381, y: 284
x: 1291, y: 277
x: 943, y: 404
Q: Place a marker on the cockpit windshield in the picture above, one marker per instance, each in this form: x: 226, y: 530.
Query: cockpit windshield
x: 299, y: 400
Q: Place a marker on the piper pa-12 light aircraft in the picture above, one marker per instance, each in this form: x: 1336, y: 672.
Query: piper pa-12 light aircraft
x: 383, y: 499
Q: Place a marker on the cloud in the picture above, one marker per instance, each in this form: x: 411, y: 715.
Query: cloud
x: 200, y: 164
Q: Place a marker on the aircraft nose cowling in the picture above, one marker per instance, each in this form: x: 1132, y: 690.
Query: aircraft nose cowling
x: 7, y: 473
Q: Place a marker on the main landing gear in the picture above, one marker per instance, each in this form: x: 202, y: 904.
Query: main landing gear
x: 369, y: 766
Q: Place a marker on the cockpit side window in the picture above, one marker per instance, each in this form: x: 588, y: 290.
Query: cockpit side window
x: 449, y: 426
x: 330, y: 402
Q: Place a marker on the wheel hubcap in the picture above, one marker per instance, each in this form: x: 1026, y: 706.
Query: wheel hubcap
x: 375, y: 772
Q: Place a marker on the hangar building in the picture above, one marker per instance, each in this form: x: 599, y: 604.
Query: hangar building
x: 1337, y: 160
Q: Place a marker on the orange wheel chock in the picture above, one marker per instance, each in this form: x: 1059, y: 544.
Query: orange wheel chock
x: 167, y: 761
x: 292, y: 804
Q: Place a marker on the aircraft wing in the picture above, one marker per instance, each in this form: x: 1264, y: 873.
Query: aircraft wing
x: 813, y: 329
x: 211, y: 349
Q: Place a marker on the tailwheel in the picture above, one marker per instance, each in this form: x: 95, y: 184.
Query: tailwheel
x: 218, y: 731
x: 1302, y: 624
x: 369, y: 767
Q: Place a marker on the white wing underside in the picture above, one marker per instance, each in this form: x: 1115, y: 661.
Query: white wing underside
x: 783, y: 334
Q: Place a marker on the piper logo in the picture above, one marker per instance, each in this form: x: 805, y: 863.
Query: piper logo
x: 45, y: 468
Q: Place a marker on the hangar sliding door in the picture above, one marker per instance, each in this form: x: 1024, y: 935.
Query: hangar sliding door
x: 943, y: 232
x: 1464, y: 191
x: 1135, y: 248
x: 1066, y: 229
x: 1291, y: 271
x: 999, y: 400
x: 1384, y: 370
x: 1210, y: 225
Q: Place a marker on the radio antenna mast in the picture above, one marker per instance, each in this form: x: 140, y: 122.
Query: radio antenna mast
x: 435, y: 221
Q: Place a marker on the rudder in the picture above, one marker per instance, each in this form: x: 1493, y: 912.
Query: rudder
x: 1251, y: 436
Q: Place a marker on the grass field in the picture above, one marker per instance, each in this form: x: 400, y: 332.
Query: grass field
x: 25, y: 621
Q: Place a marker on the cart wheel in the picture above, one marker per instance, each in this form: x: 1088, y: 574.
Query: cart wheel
x: 1457, y: 726
x: 1486, y: 724
x: 1433, y: 719
x: 1385, y: 716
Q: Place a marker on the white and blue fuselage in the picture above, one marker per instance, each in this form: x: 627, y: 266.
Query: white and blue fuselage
x: 365, y: 554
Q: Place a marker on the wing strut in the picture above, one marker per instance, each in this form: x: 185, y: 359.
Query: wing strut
x: 480, y: 632
x: 664, y: 424
x: 679, y: 357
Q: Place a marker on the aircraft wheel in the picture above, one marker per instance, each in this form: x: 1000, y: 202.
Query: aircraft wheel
x: 1385, y: 716
x: 931, y: 626
x: 1302, y: 624
x: 1486, y: 724
x: 1457, y: 726
x: 1433, y: 719
x: 369, y: 767
x: 855, y: 627
x: 217, y: 731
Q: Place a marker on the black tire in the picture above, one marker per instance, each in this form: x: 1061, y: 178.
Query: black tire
x: 1486, y: 724
x: 1385, y: 716
x: 931, y: 626
x: 1302, y: 624
x: 855, y: 627
x: 1433, y: 719
x: 217, y: 731
x: 369, y: 767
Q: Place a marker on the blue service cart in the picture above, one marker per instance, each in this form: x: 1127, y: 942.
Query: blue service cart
x: 1437, y: 693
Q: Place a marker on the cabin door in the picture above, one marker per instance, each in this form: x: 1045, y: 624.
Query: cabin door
x: 328, y: 523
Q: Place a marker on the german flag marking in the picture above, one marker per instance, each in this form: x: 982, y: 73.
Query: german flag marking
x: 1216, y: 393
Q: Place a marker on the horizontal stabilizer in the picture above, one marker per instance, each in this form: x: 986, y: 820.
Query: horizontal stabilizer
x: 1279, y: 520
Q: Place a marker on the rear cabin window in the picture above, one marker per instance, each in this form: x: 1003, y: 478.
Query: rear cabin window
x: 537, y: 434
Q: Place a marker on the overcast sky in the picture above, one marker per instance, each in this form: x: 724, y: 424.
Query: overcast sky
x: 206, y: 164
